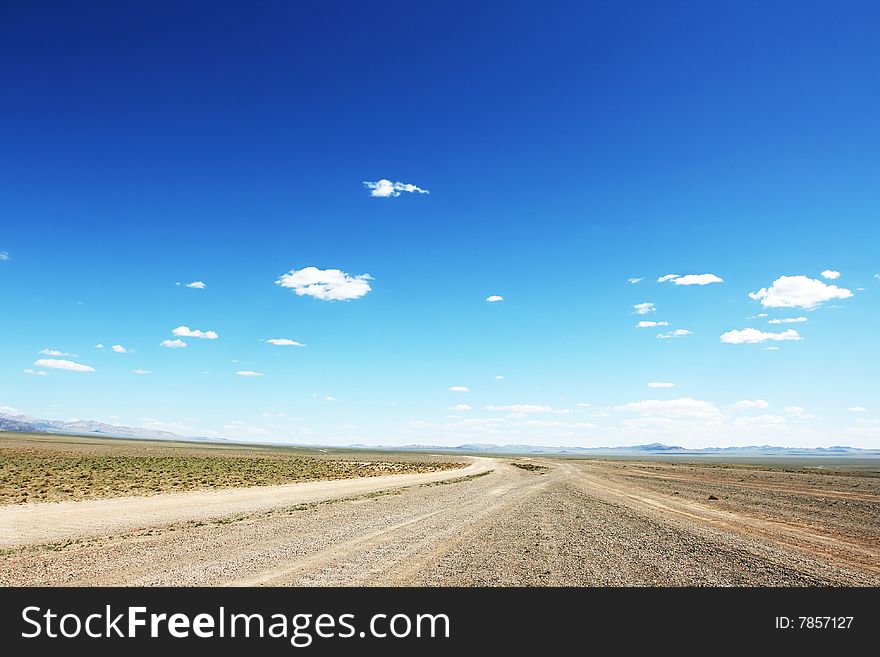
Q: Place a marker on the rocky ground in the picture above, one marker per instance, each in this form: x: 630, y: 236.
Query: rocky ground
x: 574, y: 523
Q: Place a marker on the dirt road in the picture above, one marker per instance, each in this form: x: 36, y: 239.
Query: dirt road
x: 573, y: 523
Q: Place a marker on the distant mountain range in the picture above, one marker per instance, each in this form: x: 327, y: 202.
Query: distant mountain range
x: 27, y: 424
x: 650, y: 449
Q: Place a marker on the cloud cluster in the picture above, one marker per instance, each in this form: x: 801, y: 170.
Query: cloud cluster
x: 677, y: 333
x: 644, y: 308
x: 798, y: 292
x: 384, y: 188
x: 691, y: 279
x: 284, y: 342
x: 69, y: 365
x: 187, y: 332
x: 326, y: 284
x: 524, y: 409
x: 754, y: 336
x: 788, y: 320
x: 683, y: 407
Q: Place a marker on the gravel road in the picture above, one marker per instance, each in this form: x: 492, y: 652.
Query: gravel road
x: 574, y: 523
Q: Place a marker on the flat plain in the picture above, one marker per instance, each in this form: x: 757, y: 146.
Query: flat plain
x: 499, y: 521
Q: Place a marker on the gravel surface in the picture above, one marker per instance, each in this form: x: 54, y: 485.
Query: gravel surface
x: 575, y: 523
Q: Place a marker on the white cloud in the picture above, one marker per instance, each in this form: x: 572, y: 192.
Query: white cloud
x: 326, y: 284
x: 460, y: 407
x: 4, y: 256
x: 667, y: 277
x: 584, y: 405
x: 747, y: 404
x: 119, y: 349
x: 187, y: 332
x: 285, y: 342
x: 648, y: 324
x: 633, y: 281
x: 644, y: 308
x: 683, y: 407
x: 68, y: 365
x: 494, y: 298
x: 798, y: 292
x: 459, y: 389
x: 771, y: 348
x: 196, y: 285
x: 677, y: 333
x: 328, y: 398
x: 384, y: 188
x: 788, y: 320
x: 173, y: 344
x: 523, y: 409
x: 250, y: 373
x: 793, y: 410
x: 697, y: 279
x: 55, y: 352
x: 857, y: 409
x: 141, y: 372
x: 830, y: 274
x: 35, y: 372
x: 754, y: 336
x: 99, y: 346
x: 661, y: 384
x: 498, y: 377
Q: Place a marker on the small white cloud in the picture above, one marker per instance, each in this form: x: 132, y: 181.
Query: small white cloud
x: 857, y: 409
x: 141, y: 372
x: 830, y: 274
x: 747, y: 404
x: 249, y: 373
x: 633, y: 281
x: 798, y: 292
x: 661, y: 384
x: 326, y: 284
x: 460, y: 407
x: 459, y: 389
x: 173, y: 344
x: 68, y: 365
x: 754, y: 336
x: 196, y: 285
x: 494, y: 298
x: 35, y: 372
x: 697, y: 279
x: 677, y: 333
x: 187, y: 332
x: 771, y: 348
x: 285, y: 342
x: 644, y: 308
x: 794, y: 410
x: 99, y: 346
x: 498, y: 377
x: 4, y: 256
x: 384, y: 188
x: 583, y: 405
x: 119, y: 349
x: 55, y: 352
x: 788, y: 320
x: 329, y: 398
x: 648, y: 324
x: 667, y: 277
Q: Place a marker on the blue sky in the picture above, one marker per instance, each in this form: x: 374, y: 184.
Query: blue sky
x: 566, y: 148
